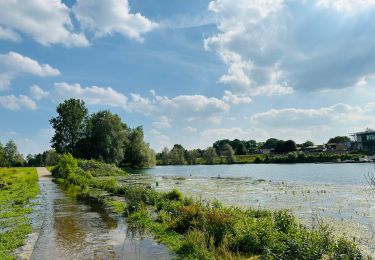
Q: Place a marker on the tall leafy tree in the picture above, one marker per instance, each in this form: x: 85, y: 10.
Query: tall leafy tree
x: 229, y: 153
x: 107, y: 137
x: 69, y: 125
x: 12, y: 156
x: 210, y: 155
x: 192, y: 156
x: 270, y: 143
x: 165, y: 156
x: 177, y: 155
x: 241, y: 149
x: 137, y: 152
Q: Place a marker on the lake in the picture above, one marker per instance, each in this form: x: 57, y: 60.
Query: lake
x: 338, y: 194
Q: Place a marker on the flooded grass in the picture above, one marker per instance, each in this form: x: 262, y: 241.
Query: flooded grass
x: 199, y: 229
x: 18, y: 186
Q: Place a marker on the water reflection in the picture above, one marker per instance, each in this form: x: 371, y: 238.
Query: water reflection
x: 71, y: 229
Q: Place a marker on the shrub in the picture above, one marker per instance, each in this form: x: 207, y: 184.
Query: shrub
x: 67, y: 165
x: 174, y: 194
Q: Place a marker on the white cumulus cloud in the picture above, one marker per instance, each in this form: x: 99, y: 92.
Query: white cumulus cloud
x: 162, y: 122
x: 93, y: 95
x: 13, y: 102
x: 46, y: 21
x: 14, y: 64
x: 274, y: 47
x: 111, y: 16
x: 37, y: 92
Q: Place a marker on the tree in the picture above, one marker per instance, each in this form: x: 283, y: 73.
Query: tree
x: 229, y: 153
x: 285, y: 146
x: 3, y: 161
x: 107, y: 137
x: 210, y: 155
x: 164, y: 156
x: 137, y: 152
x: 241, y: 149
x: 191, y: 156
x: 307, y: 144
x: 219, y: 145
x: 289, y: 146
x: 270, y: 143
x: 177, y: 155
x: 69, y: 125
x: 339, y: 139
x: 12, y: 156
x: 51, y: 158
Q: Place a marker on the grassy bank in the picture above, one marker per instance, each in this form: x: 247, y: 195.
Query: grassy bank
x: 17, y: 187
x: 293, y: 157
x: 203, y: 230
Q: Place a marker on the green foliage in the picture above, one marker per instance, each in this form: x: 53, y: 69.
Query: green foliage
x: 228, y: 153
x: 285, y: 146
x: 17, y: 187
x: 210, y: 155
x: 177, y: 155
x: 270, y: 143
x: 9, y: 155
x: 67, y: 166
x: 98, y: 169
x: 137, y: 152
x: 105, y: 137
x: 339, y: 139
x: 47, y: 158
x: 174, y: 194
x: 69, y: 126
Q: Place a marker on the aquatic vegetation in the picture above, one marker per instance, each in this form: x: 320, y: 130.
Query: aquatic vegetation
x: 18, y: 187
x: 197, y: 229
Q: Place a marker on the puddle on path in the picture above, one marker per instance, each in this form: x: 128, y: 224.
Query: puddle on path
x: 69, y: 229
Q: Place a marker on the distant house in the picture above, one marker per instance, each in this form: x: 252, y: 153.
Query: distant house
x: 316, y: 148
x: 364, y: 141
x: 266, y: 151
x: 338, y: 147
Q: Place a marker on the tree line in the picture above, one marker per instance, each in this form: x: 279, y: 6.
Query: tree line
x: 225, y: 150
x: 101, y: 136
x: 9, y: 155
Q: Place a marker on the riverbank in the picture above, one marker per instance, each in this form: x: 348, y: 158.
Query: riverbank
x: 293, y: 157
x: 199, y: 229
x: 18, y: 187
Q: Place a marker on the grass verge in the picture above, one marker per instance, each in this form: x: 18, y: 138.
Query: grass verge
x: 17, y: 187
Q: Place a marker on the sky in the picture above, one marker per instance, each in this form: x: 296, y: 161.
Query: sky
x: 191, y: 72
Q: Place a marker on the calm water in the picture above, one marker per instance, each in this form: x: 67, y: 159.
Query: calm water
x: 337, y: 193
x: 69, y: 229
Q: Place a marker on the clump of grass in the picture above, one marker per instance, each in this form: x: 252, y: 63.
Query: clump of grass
x: 20, y: 185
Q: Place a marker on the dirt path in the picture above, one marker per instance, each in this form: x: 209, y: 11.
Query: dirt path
x: 43, y: 173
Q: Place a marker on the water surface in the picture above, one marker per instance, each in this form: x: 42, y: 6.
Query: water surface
x: 69, y: 229
x: 337, y: 193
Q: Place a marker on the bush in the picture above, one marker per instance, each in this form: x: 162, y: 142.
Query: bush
x: 67, y: 166
x: 174, y: 194
x: 98, y: 169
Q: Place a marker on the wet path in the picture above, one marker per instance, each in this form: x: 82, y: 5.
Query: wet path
x: 68, y: 229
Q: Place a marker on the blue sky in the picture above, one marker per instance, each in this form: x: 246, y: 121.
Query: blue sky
x: 190, y: 72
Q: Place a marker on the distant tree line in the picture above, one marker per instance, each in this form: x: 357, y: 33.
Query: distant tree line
x: 47, y: 158
x: 9, y: 155
x: 101, y: 136
x: 226, y: 151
